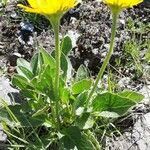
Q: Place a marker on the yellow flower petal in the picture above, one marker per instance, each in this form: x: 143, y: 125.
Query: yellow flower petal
x: 122, y: 3
x: 49, y: 7
x: 33, y: 3
x: 28, y: 9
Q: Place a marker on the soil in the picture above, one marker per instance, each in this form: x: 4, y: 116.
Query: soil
x: 89, y: 26
x: 91, y: 20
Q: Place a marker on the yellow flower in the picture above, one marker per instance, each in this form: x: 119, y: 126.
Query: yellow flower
x: 121, y: 4
x: 49, y: 7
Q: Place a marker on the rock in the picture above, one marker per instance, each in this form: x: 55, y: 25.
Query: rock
x: 7, y: 92
x: 3, y: 139
x: 146, y: 92
x: 124, y: 82
x: 74, y: 36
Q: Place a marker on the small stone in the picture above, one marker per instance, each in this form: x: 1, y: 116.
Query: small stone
x: 95, y: 51
x: 31, y: 41
x: 103, y: 55
x: 3, y: 137
x: 13, y: 15
x: 27, y: 26
x: 74, y: 36
x: 122, y: 21
x: 124, y: 82
x: 106, y: 46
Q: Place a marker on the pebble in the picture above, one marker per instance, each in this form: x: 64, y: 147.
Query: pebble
x: 3, y: 137
x: 74, y: 36
x: 27, y: 26
x: 124, y: 82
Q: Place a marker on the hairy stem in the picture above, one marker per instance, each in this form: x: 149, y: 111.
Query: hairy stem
x: 55, y: 24
x: 106, y: 61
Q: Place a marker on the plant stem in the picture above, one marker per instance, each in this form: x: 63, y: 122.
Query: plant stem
x: 106, y: 61
x: 55, y: 24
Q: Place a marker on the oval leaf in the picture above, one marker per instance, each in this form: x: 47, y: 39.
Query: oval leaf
x: 112, y: 103
x: 81, y: 86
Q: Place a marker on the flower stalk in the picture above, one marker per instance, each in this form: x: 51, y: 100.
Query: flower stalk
x: 53, y: 10
x: 115, y: 15
x: 55, y: 21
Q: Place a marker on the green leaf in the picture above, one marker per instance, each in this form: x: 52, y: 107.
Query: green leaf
x: 82, y: 73
x: 112, y: 103
x: 66, y: 45
x: 4, y: 117
x: 81, y: 99
x: 81, y: 143
x: 81, y: 86
x: 65, y: 95
x: 64, y: 64
x: 79, y: 111
x: 35, y: 64
x: 29, y: 93
x: 85, y: 143
x: 24, y: 68
x: 106, y: 114
x: 22, y: 62
x: 47, y: 58
x: 68, y: 144
x: 22, y: 117
x: 85, y: 121
x: 72, y: 137
x: 44, y: 81
x: 20, y: 81
x: 69, y: 71
x: 24, y: 72
x: 42, y: 111
x: 134, y: 96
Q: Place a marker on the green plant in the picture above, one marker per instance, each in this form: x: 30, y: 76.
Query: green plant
x: 147, y: 55
x: 136, y: 49
x: 132, y: 50
x: 3, y: 2
x: 36, y: 83
x: 59, y: 110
